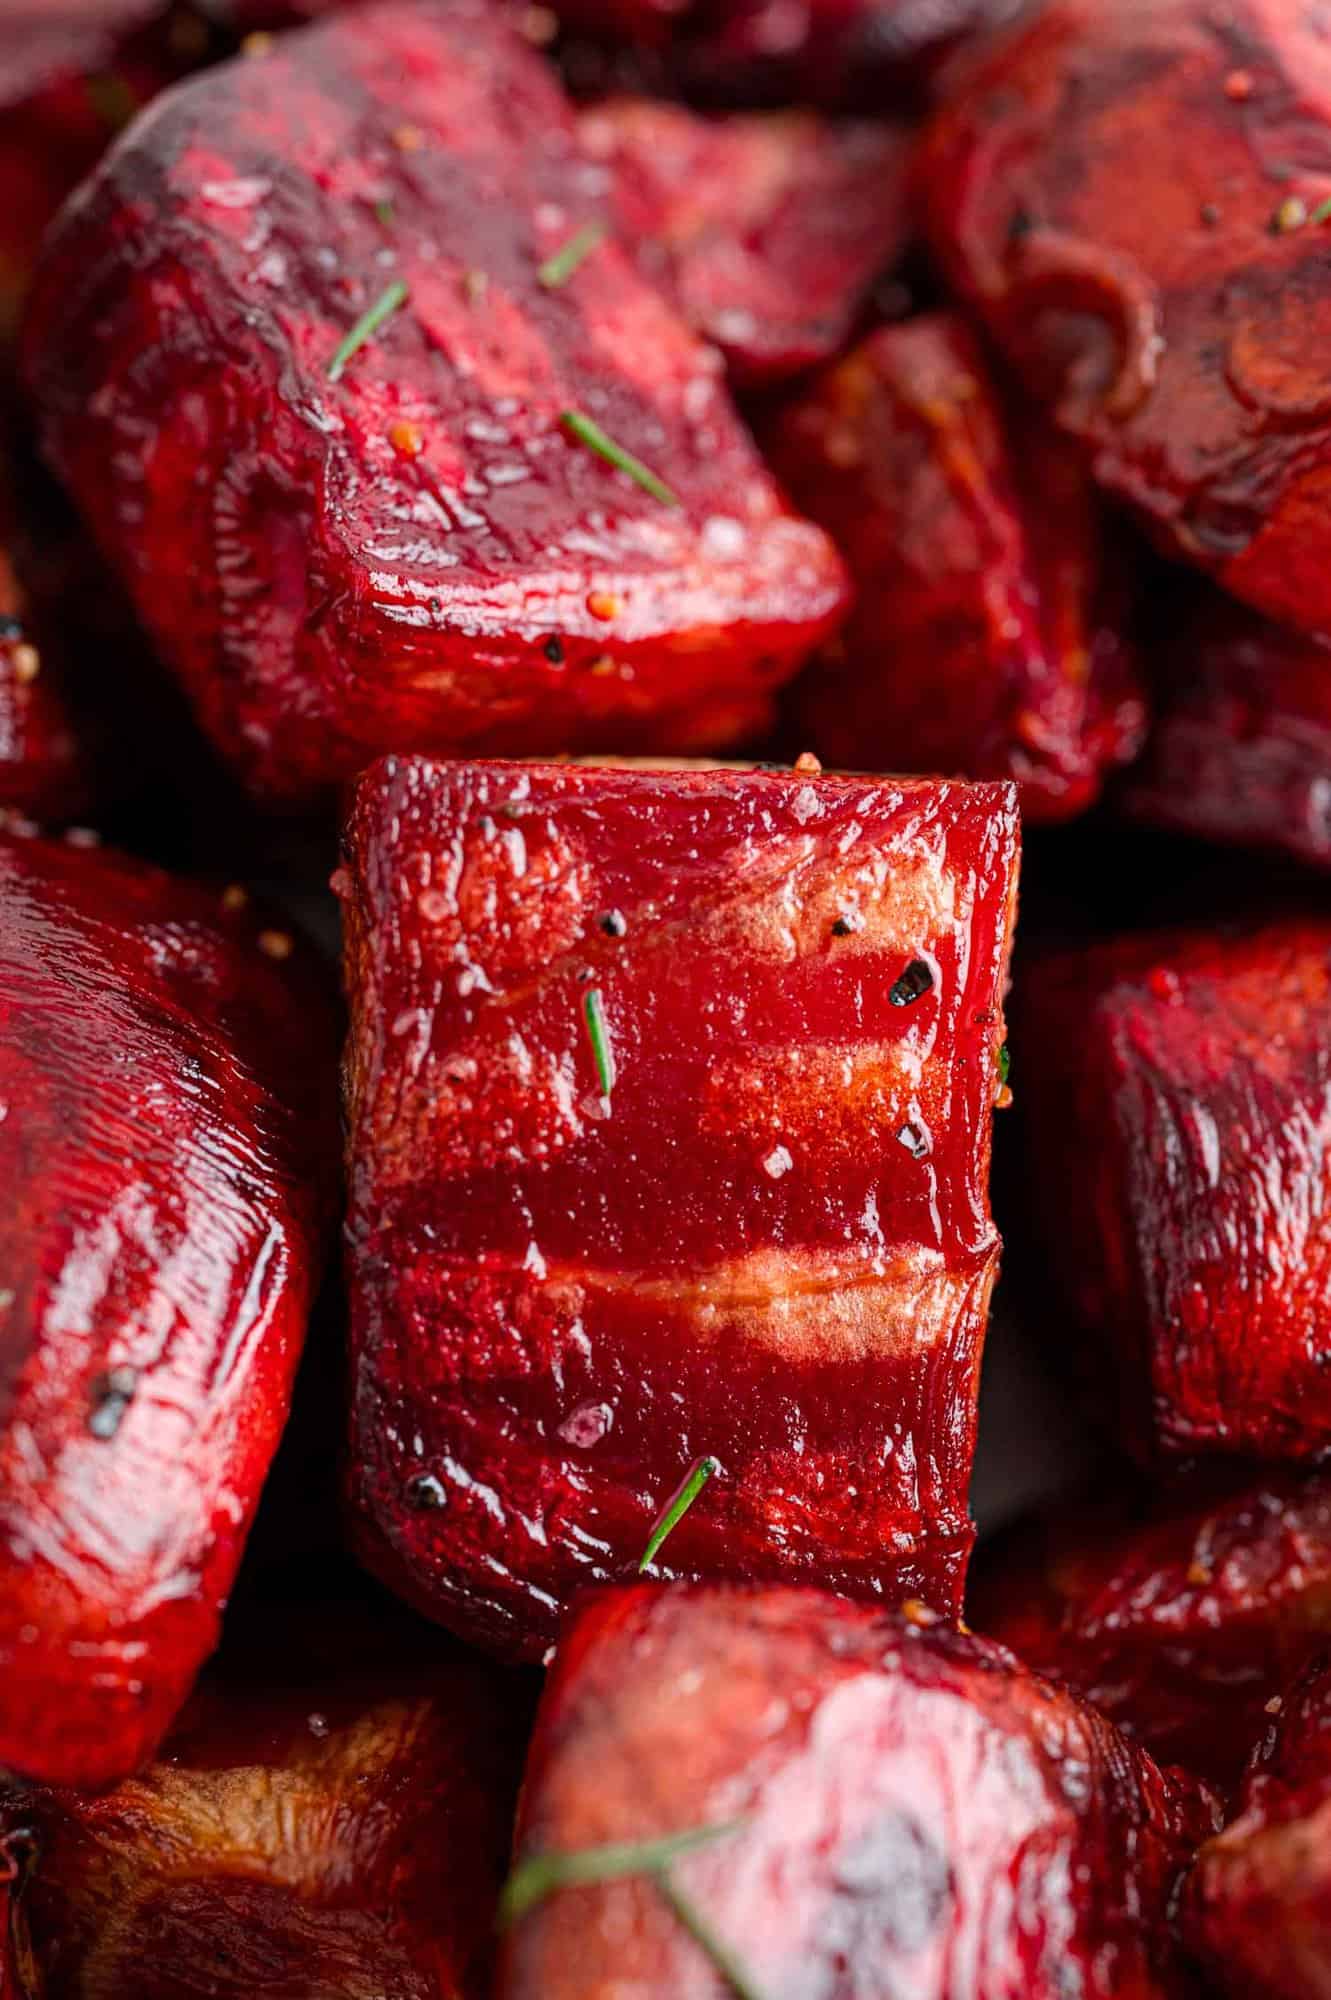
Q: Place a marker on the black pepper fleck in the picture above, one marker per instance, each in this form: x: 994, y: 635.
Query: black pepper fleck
x: 913, y: 984
x: 426, y: 1493
x: 615, y: 924
x: 11, y: 630
x: 110, y: 1397
x: 841, y: 928
x: 554, y: 650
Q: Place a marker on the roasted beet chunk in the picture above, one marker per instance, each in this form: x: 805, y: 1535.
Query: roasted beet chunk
x: 165, y: 1154
x: 985, y: 637
x: 1180, y: 1623
x: 348, y: 431
x: 898, y: 1810
x: 847, y: 53
x: 1128, y: 193
x: 766, y: 230
x: 654, y: 1157
x: 1240, y: 751
x: 1176, y: 1086
x: 1258, y: 1908
x: 331, y: 1814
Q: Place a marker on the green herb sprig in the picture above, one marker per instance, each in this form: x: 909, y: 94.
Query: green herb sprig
x: 586, y: 431
x: 598, y: 1034
x: 557, y: 270
x: 677, y: 1507
x: 369, y: 323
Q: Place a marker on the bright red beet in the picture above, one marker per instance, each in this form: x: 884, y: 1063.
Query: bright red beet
x: 166, y: 1152
x: 330, y: 1815
x: 1258, y: 1907
x: 918, y: 1816
x: 769, y: 1241
x: 986, y: 636
x: 766, y: 230
x: 1177, y: 1141
x: 1180, y: 1623
x: 419, y: 554
x: 1240, y: 751
x: 1125, y: 191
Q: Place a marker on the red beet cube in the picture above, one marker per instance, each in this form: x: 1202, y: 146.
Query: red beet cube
x: 669, y: 1103
x: 1176, y: 1089
x: 1179, y: 1622
x: 419, y: 543
x: 766, y: 230
x: 166, y: 1152
x: 1240, y: 751
x: 1258, y: 1907
x: 1125, y: 191
x: 331, y: 1814
x: 986, y: 636
x: 909, y: 1813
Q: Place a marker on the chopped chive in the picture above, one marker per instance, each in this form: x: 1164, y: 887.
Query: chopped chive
x: 557, y: 270
x: 1322, y: 213
x: 691, y: 1919
x: 542, y: 1875
x: 1004, y: 1064
x: 590, y: 434
x: 383, y: 214
x: 367, y: 326
x: 599, y: 1036
x: 678, y: 1506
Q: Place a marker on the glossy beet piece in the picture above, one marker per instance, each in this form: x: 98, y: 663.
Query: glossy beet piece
x: 166, y: 1151
x: 329, y: 1816
x: 766, y: 230
x: 1125, y: 191
x: 1179, y: 1622
x: 1176, y: 1088
x: 1258, y: 1908
x: 756, y: 1228
x: 919, y: 1817
x: 987, y: 636
x: 417, y: 554
x: 835, y: 53
x: 1241, y: 747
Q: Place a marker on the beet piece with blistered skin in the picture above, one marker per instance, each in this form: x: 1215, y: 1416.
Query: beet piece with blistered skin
x: 1240, y: 749
x: 167, y: 1150
x: 420, y: 553
x: 1179, y: 1621
x: 986, y: 637
x: 1176, y: 1086
x: 767, y: 230
x: 1125, y: 192
x: 1257, y: 1912
x: 331, y: 1814
x: 752, y: 1223
x: 917, y: 1817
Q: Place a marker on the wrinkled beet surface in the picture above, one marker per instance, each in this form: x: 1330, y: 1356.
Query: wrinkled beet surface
x: 1258, y: 1909
x: 166, y: 1152
x: 1177, y: 1094
x: 330, y: 1815
x: 415, y: 555
x: 766, y: 229
x: 1180, y: 1622
x: 920, y: 1818
x: 770, y: 1242
x: 1240, y: 751
x: 1124, y: 190
x: 986, y: 637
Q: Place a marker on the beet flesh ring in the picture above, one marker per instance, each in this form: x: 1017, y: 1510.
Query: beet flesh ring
x: 1127, y: 194
x: 912, y: 1815
x: 755, y: 1226
x: 410, y: 545
x: 1176, y: 1093
x: 767, y: 229
x: 1258, y: 1906
x: 330, y: 1814
x: 166, y: 1152
x: 986, y: 637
